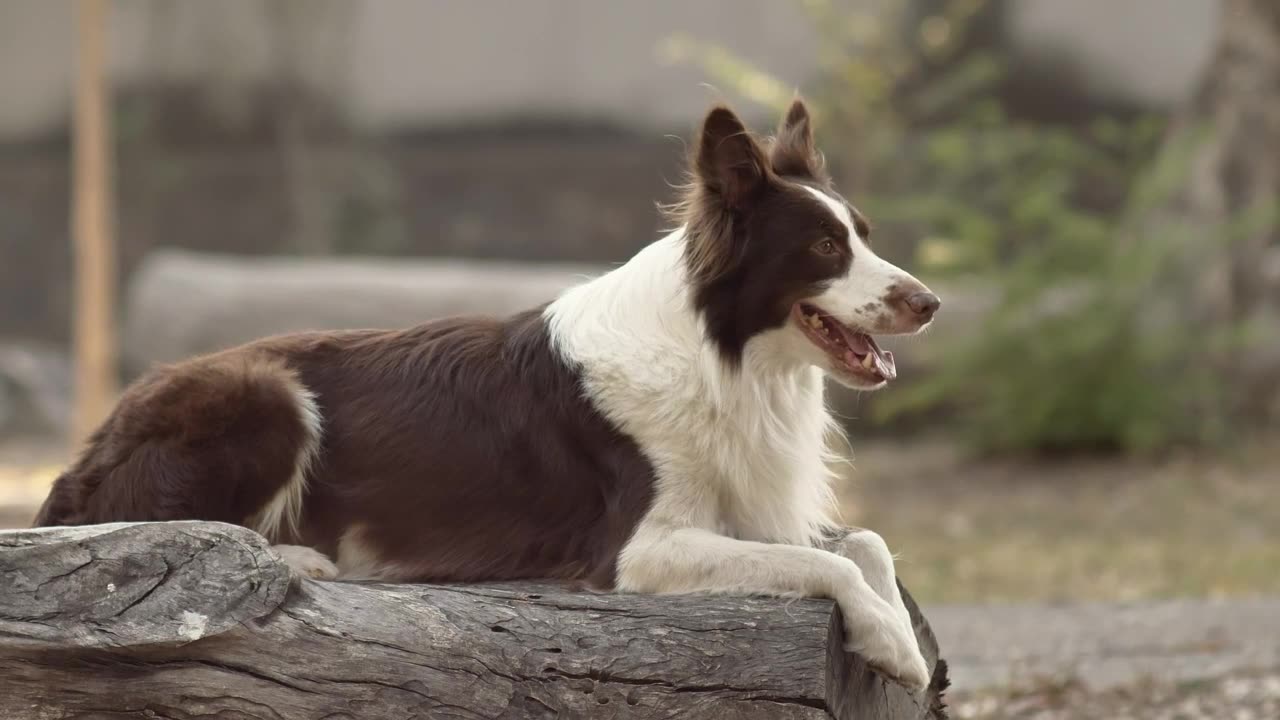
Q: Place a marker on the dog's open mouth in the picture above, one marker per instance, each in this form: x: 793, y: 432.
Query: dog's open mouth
x: 850, y: 350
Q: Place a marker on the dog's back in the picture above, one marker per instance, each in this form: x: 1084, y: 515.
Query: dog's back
x: 461, y: 449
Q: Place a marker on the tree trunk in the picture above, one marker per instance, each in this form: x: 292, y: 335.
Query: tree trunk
x: 1222, y: 209
x: 1237, y: 170
x: 189, y: 619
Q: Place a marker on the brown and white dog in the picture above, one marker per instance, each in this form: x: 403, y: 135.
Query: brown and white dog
x: 658, y: 429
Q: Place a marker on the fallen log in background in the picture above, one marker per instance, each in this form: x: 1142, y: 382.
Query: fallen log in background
x: 187, y: 619
x: 35, y: 389
x: 181, y: 304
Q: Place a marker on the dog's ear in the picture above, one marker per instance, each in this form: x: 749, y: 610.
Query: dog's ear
x: 729, y: 162
x: 793, y: 152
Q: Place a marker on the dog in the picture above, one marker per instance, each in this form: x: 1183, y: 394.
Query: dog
x: 658, y: 429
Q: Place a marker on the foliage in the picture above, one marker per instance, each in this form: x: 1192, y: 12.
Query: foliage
x: 1088, y: 347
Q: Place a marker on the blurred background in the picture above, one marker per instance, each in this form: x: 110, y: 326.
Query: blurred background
x: 1092, y: 186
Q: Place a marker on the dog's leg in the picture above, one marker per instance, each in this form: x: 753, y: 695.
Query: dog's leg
x: 306, y: 561
x: 871, y: 554
x: 689, y: 560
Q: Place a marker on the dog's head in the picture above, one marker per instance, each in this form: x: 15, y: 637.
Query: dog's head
x: 773, y: 251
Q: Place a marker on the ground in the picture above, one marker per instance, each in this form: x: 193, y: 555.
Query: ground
x: 1072, y: 589
x: 1045, y: 536
x: 1242, y: 696
x: 27, y: 468
x: 1082, y: 529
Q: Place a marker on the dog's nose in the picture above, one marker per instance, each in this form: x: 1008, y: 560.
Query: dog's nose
x: 924, y: 304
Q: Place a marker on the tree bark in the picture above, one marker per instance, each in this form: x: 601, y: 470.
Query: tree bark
x: 1236, y: 169
x: 189, y: 619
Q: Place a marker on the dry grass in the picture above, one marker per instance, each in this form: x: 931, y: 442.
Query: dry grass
x: 1077, y: 530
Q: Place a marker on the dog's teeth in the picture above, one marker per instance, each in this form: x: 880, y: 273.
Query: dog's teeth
x: 867, y: 362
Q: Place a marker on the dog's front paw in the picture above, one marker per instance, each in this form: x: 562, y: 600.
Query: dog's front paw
x: 890, y: 650
x: 307, y: 562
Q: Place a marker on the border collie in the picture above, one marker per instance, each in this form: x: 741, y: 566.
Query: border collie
x: 658, y: 429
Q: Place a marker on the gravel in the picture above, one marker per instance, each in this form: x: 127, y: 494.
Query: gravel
x: 1241, y: 696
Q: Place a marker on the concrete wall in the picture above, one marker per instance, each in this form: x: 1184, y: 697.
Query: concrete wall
x: 415, y: 62
x: 403, y: 62
x: 1146, y: 51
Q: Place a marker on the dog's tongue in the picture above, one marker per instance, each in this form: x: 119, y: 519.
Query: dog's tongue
x: 865, y: 345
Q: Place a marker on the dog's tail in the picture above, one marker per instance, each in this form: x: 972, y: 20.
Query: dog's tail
x: 221, y: 439
x: 58, y: 508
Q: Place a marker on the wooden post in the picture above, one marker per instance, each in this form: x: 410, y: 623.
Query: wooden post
x: 94, y: 249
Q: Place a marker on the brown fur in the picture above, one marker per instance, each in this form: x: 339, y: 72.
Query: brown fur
x: 463, y: 449
x: 214, y: 439
x: 792, y: 152
x: 751, y: 232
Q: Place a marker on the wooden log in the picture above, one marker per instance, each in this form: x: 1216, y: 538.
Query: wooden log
x: 181, y: 304
x: 35, y: 389
x: 189, y: 619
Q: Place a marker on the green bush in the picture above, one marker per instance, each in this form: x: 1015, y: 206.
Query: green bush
x: 1089, y: 346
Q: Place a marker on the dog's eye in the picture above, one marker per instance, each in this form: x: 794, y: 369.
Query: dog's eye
x: 826, y: 247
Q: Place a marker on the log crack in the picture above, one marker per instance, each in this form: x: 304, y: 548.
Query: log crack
x: 260, y: 675
x: 676, y: 687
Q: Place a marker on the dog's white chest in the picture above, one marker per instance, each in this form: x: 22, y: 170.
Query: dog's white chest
x: 740, y: 451
x: 745, y: 461
x: 768, y: 467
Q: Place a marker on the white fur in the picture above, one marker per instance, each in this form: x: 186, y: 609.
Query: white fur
x: 742, y: 481
x: 741, y: 453
x: 284, y: 511
x: 358, y: 560
x: 306, y: 562
x: 857, y: 299
x: 871, y: 554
